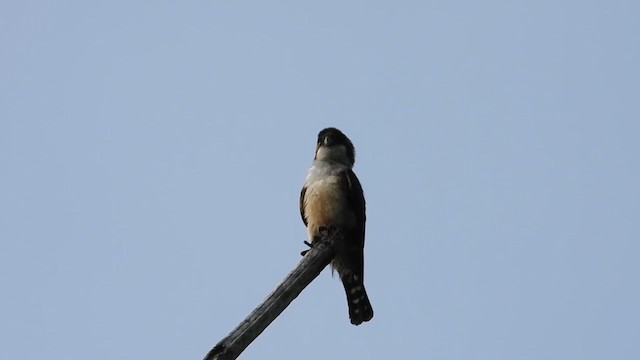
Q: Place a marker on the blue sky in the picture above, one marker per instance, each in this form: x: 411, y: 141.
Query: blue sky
x: 152, y: 154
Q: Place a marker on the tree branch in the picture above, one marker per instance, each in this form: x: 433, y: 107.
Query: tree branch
x: 314, y: 261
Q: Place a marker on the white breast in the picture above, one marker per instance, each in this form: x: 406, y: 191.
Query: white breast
x: 322, y: 170
x: 325, y: 202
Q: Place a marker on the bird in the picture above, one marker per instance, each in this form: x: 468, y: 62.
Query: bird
x: 332, y: 196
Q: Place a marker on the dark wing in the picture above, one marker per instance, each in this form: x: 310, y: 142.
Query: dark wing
x: 355, y: 197
x: 353, y: 251
x: 304, y: 218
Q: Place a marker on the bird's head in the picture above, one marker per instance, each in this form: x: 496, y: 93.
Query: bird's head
x: 335, y: 146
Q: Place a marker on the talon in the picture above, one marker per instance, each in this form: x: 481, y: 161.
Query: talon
x: 306, y: 251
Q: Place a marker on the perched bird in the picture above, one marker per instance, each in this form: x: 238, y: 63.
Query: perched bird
x: 332, y: 196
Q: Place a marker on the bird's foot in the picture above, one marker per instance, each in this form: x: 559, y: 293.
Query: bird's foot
x: 323, y: 231
x: 306, y: 251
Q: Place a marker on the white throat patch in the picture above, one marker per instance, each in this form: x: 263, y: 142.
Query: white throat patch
x: 321, y: 170
x: 334, y: 153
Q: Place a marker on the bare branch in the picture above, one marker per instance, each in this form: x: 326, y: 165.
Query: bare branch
x: 314, y: 261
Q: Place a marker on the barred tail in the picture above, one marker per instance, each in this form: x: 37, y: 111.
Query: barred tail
x: 360, y: 309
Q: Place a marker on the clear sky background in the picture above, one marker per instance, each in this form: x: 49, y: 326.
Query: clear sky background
x: 152, y: 154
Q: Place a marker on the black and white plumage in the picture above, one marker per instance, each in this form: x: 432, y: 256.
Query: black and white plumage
x: 332, y: 196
